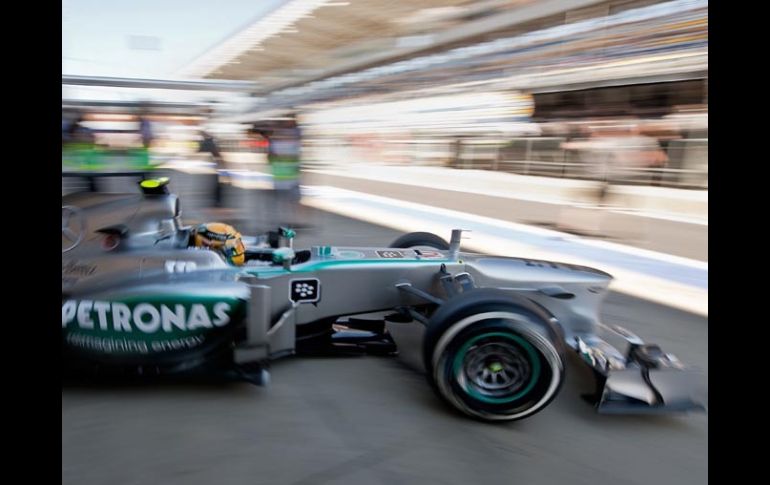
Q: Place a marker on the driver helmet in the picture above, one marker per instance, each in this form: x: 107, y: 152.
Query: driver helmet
x: 222, y: 238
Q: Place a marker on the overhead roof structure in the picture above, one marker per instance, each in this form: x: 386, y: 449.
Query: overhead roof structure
x: 157, y: 108
x: 313, y: 51
x: 154, y: 96
x: 306, y: 40
x: 611, y: 43
x: 178, y: 84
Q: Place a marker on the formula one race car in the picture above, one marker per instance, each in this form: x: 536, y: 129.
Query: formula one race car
x: 139, y: 297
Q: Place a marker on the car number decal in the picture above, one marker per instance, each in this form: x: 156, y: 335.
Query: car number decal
x: 390, y: 254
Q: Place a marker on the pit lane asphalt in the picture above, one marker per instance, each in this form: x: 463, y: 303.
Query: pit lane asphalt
x: 373, y: 419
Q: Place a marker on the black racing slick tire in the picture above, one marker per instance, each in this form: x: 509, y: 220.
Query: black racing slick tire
x: 493, y: 355
x: 420, y: 239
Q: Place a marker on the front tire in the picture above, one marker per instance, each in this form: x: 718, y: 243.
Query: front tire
x: 493, y: 355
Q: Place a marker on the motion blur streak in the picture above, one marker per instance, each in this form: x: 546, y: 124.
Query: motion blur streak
x: 566, y: 130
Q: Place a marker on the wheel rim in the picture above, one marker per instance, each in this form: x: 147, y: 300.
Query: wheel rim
x: 551, y: 364
x: 496, y: 367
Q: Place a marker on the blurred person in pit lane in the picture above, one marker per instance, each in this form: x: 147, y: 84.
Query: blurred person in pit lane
x: 79, y: 151
x: 208, y: 145
x: 284, y: 155
x: 614, y: 154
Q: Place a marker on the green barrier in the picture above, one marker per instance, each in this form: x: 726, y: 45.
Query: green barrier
x: 284, y: 168
x: 140, y: 159
x: 82, y: 156
x: 91, y: 158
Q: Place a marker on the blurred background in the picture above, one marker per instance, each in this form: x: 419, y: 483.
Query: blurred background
x: 566, y: 129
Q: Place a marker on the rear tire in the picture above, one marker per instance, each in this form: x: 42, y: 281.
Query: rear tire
x: 420, y: 239
x: 493, y: 355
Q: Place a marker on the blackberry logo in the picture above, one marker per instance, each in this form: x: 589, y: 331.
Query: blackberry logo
x: 305, y: 291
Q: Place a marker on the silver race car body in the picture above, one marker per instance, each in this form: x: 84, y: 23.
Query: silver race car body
x: 492, y: 331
